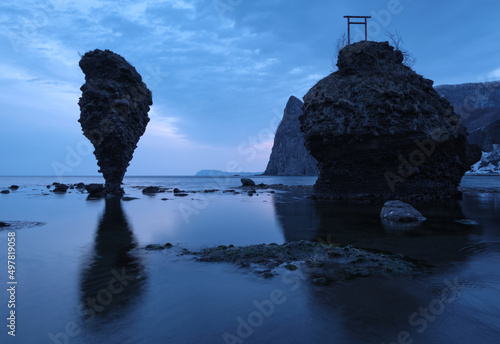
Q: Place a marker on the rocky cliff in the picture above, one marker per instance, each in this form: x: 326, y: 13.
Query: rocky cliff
x: 379, y: 130
x: 478, y: 104
x: 114, y: 113
x: 486, y: 137
x: 289, y: 157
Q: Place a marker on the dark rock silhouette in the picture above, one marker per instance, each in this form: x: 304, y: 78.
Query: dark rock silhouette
x: 61, y: 188
x: 95, y: 190
x: 378, y: 129
x: 114, y: 113
x: 289, y: 156
x: 247, y: 182
x: 151, y: 190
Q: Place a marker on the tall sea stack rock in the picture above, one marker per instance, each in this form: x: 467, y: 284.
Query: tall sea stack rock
x: 289, y: 156
x: 114, y: 113
x: 378, y: 129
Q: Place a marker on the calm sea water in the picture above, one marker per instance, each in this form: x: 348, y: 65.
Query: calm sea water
x: 83, y: 279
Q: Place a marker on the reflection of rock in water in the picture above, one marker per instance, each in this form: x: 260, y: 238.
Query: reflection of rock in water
x: 483, y: 208
x: 373, y: 309
x: 297, y: 217
x: 438, y: 240
x: 114, y: 277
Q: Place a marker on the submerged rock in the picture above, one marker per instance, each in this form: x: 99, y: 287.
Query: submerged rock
x: 397, y: 211
x: 377, y: 128
x: 14, y: 187
x: 114, y: 113
x: 5, y: 192
x: 289, y: 156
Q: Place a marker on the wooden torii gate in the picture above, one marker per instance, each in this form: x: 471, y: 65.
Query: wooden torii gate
x: 349, y: 22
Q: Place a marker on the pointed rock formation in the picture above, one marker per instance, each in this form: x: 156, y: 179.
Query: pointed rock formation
x: 379, y: 130
x: 114, y: 113
x: 289, y: 156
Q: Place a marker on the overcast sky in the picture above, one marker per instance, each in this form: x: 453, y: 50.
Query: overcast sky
x: 220, y: 71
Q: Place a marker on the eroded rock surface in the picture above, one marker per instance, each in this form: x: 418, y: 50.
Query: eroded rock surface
x: 114, y: 113
x: 378, y: 129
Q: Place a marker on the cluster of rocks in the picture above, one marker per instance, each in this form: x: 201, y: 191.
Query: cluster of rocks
x: 11, y: 188
x: 378, y: 128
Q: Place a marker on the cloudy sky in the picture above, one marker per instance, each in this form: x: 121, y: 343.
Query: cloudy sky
x: 220, y: 71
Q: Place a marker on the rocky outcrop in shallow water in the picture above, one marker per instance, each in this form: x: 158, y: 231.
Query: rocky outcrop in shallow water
x: 378, y: 129
x: 114, y: 113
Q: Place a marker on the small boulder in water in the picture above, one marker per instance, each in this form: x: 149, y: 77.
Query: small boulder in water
x: 247, y: 182
x: 151, y: 190
x: 61, y: 189
x: 400, y: 212
x: 95, y: 190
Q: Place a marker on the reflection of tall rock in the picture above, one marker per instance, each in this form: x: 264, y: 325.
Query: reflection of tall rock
x: 378, y: 128
x: 114, y: 112
x: 297, y: 217
x: 289, y: 157
x: 114, y: 276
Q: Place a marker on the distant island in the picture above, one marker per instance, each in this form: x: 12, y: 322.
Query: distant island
x: 217, y: 173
